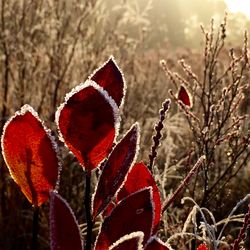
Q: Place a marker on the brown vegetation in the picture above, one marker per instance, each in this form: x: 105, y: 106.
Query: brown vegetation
x: 47, y: 47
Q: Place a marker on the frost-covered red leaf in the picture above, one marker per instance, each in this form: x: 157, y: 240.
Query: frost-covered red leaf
x: 64, y: 230
x: 184, y: 96
x: 131, y: 241
x: 202, y: 247
x: 109, y: 77
x: 107, y: 211
x: 140, y: 177
x: 30, y: 154
x: 87, y: 122
x: 116, y: 169
x: 156, y: 244
x: 132, y: 214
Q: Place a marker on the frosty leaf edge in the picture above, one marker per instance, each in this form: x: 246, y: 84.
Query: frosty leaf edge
x: 24, y: 110
x: 137, y: 147
x: 139, y: 235
x: 103, y: 93
x: 111, y: 57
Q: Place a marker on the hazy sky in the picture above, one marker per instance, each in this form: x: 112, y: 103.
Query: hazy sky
x: 242, y: 6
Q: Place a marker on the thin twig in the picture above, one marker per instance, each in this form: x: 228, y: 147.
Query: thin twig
x: 158, y: 127
x: 231, y: 213
x: 87, y: 204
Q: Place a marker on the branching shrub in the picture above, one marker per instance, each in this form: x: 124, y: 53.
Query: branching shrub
x: 218, y: 124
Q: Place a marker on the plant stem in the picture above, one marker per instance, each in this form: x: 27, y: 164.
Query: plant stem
x: 157, y: 138
x: 87, y: 203
x: 35, y: 228
x: 184, y: 183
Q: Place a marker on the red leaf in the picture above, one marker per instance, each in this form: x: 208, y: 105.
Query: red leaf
x: 88, y: 121
x: 131, y: 241
x: 184, y: 96
x: 132, y: 214
x: 115, y: 170
x: 64, y: 230
x: 202, y: 247
x: 156, y: 244
x: 109, y: 77
x: 107, y: 211
x: 31, y: 155
x: 140, y: 177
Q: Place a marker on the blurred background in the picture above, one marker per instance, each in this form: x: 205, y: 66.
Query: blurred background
x: 178, y: 22
x: 49, y: 46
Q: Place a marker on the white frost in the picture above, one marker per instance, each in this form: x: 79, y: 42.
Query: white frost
x: 28, y: 109
x: 138, y: 235
x: 137, y: 127
x: 53, y: 196
x: 160, y: 241
x: 137, y: 135
x: 103, y: 92
x: 123, y: 78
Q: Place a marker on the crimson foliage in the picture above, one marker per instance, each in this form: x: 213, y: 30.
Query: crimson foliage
x: 126, y: 196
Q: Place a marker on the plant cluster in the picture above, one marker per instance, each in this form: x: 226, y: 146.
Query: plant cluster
x: 207, y: 129
x: 44, y: 52
x: 218, y: 125
x: 126, y: 193
x: 126, y: 196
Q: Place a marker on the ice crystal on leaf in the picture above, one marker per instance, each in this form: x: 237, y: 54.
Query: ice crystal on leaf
x: 110, y: 77
x: 131, y: 241
x: 140, y: 177
x: 155, y: 243
x: 88, y: 123
x: 115, y: 169
x: 64, y: 230
x: 134, y: 213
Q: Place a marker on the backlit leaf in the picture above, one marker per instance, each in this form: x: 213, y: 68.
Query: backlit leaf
x: 132, y: 214
x: 88, y: 123
x: 131, y: 241
x: 140, y: 177
x: 156, y: 244
x: 184, y: 96
x: 64, y: 230
x: 31, y: 155
x: 109, y: 77
x: 116, y: 169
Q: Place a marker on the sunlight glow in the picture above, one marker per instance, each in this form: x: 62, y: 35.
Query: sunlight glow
x: 242, y: 6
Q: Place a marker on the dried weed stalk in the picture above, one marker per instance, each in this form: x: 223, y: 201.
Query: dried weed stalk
x: 219, y: 128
